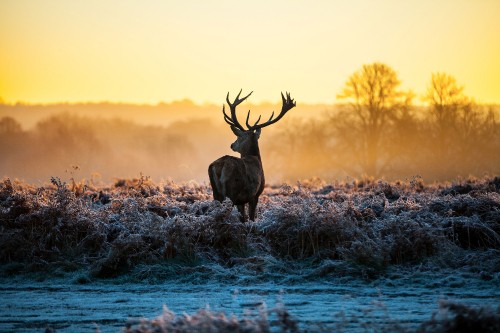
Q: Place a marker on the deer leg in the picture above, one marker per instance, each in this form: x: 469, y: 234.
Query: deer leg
x: 215, y: 185
x: 241, y: 209
x: 252, y: 207
x: 217, y: 195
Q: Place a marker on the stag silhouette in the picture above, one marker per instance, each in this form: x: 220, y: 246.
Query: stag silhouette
x: 242, y: 179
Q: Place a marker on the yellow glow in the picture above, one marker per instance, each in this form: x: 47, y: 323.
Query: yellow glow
x: 151, y: 51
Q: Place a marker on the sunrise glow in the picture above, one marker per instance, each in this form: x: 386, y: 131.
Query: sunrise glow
x: 147, y: 52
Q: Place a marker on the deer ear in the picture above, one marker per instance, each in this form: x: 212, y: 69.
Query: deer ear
x: 236, y: 131
x: 257, y: 132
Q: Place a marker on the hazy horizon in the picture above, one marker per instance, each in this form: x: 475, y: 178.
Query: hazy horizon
x: 178, y: 141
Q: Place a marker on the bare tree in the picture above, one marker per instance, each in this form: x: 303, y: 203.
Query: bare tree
x: 242, y: 179
x: 461, y: 133
x: 9, y: 126
x: 374, y: 102
x: 445, y: 98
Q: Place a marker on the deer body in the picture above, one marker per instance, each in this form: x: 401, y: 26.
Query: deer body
x: 239, y: 179
x: 242, y: 179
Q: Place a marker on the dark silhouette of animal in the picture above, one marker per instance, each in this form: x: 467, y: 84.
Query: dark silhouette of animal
x: 242, y: 179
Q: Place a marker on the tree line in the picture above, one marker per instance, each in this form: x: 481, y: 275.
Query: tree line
x: 379, y: 131
x: 70, y: 146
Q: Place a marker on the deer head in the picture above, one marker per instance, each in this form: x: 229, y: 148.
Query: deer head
x: 246, y: 142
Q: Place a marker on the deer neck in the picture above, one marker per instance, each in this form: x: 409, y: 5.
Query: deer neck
x: 253, y: 150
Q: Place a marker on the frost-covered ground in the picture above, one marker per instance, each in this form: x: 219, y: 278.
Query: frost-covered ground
x: 328, y: 305
x: 380, y: 253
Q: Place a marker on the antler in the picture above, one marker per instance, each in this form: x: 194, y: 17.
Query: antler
x: 288, y: 104
x: 233, y: 120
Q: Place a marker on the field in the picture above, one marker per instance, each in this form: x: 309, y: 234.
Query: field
x: 311, y: 240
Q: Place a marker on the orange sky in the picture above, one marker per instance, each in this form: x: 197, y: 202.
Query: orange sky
x: 151, y: 51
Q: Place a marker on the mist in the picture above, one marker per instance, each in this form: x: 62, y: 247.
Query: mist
x: 107, y: 142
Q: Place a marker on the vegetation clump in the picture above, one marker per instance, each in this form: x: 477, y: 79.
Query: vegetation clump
x: 459, y: 318
x: 450, y: 318
x: 209, y: 321
x: 114, y: 230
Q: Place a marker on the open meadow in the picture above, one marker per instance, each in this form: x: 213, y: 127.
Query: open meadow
x: 320, y: 256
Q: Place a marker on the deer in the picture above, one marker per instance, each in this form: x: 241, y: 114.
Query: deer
x: 242, y: 179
